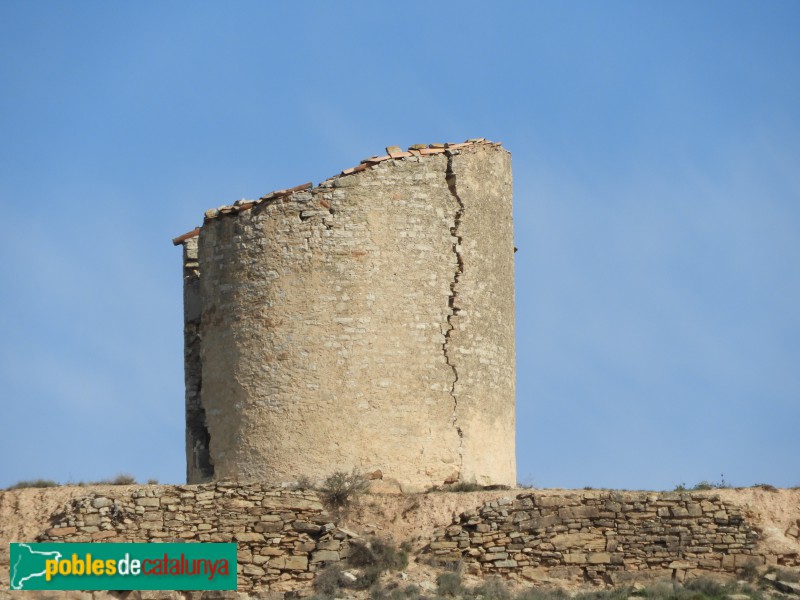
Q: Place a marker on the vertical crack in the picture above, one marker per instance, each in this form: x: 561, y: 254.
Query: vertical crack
x: 452, y: 302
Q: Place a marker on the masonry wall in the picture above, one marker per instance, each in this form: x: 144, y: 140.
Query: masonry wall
x: 366, y: 323
x: 283, y: 537
x: 604, y: 537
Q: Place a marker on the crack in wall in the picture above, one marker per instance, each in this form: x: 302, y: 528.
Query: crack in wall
x: 450, y: 178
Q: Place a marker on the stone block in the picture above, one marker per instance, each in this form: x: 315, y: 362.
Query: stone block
x: 249, y: 537
x: 575, y: 558
x: 509, y: 564
x: 324, y: 556
x: 599, y: 558
x: 147, y: 502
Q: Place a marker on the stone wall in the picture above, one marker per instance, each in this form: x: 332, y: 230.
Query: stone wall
x: 602, y: 537
x: 283, y: 536
x: 364, y: 323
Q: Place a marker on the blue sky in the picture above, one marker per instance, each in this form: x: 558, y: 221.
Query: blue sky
x: 657, y: 211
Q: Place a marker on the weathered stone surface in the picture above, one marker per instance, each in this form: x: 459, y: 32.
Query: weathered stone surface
x: 602, y: 535
x: 276, y: 530
x: 366, y: 237
x: 324, y: 556
x: 58, y: 532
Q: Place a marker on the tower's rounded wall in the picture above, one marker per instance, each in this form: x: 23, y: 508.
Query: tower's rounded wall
x: 367, y: 323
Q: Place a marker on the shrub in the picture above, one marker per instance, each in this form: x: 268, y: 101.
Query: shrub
x: 33, y: 483
x: 464, y: 486
x: 152, y: 482
x: 542, y: 594
x: 374, y: 557
x: 341, y: 489
x: 377, y: 553
x: 766, y: 487
x: 123, y: 479
x: 707, y: 587
x: 493, y: 588
x: 749, y: 572
x: 449, y: 584
x: 304, y: 482
x: 328, y: 581
x: 609, y: 594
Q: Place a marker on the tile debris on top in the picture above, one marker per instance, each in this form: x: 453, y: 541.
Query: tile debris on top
x: 392, y: 153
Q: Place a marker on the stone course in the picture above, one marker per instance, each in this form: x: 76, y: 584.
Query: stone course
x: 283, y: 536
x: 602, y: 537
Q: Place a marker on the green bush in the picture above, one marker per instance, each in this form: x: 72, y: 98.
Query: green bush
x: 749, y: 572
x: 377, y: 553
x: 708, y: 587
x: 703, y: 485
x: 33, y: 483
x: 766, y: 487
x: 374, y: 557
x: 328, y: 581
x: 449, y: 584
x: 123, y: 479
x: 493, y: 588
x: 341, y: 489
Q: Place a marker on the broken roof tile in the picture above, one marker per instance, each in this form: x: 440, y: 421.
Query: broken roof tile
x: 393, y: 152
x: 182, y: 238
x: 426, y: 151
x: 301, y: 187
x: 376, y: 159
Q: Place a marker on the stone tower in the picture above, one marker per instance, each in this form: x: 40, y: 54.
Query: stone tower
x: 365, y: 323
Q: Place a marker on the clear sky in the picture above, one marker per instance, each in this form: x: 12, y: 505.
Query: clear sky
x: 656, y: 154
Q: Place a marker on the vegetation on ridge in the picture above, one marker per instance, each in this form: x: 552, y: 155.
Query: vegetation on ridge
x: 121, y: 479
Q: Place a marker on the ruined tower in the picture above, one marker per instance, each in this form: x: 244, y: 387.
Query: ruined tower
x: 365, y: 323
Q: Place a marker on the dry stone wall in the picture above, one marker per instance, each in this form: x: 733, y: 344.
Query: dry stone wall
x: 601, y: 537
x: 283, y: 536
x: 364, y: 323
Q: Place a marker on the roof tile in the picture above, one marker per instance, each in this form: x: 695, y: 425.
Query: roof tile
x: 392, y: 152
